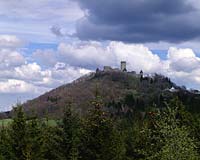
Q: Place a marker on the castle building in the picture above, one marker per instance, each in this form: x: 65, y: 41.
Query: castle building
x: 123, y: 66
x: 110, y: 69
x: 107, y: 69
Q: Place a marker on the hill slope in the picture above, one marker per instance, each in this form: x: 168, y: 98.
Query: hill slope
x: 112, y: 86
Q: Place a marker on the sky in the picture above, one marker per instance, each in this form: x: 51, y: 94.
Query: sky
x: 48, y: 43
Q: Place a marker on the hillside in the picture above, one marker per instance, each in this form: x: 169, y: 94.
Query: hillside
x: 115, y: 87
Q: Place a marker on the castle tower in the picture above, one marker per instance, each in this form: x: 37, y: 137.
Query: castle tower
x: 123, y: 66
x: 141, y: 74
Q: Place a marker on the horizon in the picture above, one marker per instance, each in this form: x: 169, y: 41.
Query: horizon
x: 45, y: 44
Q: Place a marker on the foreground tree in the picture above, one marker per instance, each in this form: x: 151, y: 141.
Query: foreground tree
x: 33, y: 139
x: 101, y: 141
x: 70, y: 133
x: 167, y: 138
x: 5, y: 146
x: 18, y: 134
x: 25, y: 136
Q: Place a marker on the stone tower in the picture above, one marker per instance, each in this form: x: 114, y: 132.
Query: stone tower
x: 141, y: 74
x: 123, y: 66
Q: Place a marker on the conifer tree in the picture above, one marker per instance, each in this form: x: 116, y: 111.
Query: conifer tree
x: 101, y: 141
x: 50, y: 142
x: 34, y: 139
x: 70, y: 133
x: 18, y: 134
x: 5, y: 145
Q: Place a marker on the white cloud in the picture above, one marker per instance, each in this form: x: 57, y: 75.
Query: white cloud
x: 94, y: 54
x: 137, y: 56
x: 10, y: 58
x: 40, y: 9
x: 183, y: 59
x: 85, y: 54
x: 63, y: 73
x: 32, y: 19
x: 21, y: 78
x: 18, y: 75
x: 46, y: 57
x: 31, y: 72
x: 59, y: 65
x: 49, y: 69
x: 19, y: 86
x: 182, y: 65
x: 10, y: 41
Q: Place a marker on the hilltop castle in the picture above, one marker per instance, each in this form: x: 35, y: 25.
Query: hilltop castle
x: 121, y: 69
x: 110, y: 69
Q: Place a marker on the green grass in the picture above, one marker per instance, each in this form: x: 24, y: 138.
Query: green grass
x: 6, y: 122
x: 52, y: 122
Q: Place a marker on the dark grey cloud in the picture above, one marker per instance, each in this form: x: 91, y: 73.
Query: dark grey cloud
x: 139, y: 20
x: 59, y: 32
x: 56, y: 30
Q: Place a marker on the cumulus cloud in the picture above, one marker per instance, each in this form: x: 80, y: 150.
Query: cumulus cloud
x: 139, y: 21
x: 94, y: 54
x: 19, y: 86
x: 51, y: 68
x: 29, y: 80
x: 31, y: 72
x: 63, y: 73
x: 20, y: 75
x: 24, y: 79
x: 33, y: 75
x: 72, y: 60
x: 183, y: 59
x: 46, y: 57
x: 10, y: 41
x: 10, y: 58
x: 85, y: 54
x: 182, y: 65
x: 51, y: 77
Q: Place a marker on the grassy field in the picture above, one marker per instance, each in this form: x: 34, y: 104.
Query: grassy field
x: 6, y: 122
x: 52, y: 122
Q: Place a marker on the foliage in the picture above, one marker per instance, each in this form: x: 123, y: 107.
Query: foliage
x: 169, y: 133
x: 100, y: 138
x: 18, y: 135
x: 167, y: 137
x: 70, y: 133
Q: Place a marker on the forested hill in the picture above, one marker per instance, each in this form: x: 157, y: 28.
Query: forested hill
x: 124, y: 91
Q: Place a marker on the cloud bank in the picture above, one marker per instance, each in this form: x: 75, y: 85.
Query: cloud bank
x: 21, y: 78
x: 181, y: 65
x: 45, y: 69
x: 139, y: 21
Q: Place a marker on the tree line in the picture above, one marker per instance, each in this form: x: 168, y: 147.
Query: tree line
x: 170, y: 133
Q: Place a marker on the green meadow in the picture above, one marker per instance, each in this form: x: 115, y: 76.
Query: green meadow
x: 7, y: 122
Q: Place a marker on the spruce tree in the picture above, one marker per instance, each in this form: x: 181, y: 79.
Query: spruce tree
x: 70, y: 133
x: 5, y: 144
x: 34, y: 139
x: 50, y: 142
x: 101, y: 141
x: 18, y: 134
